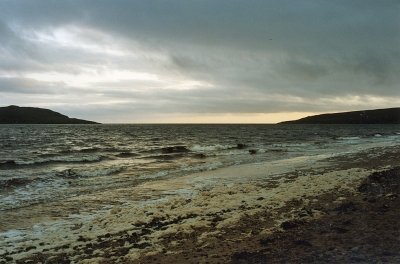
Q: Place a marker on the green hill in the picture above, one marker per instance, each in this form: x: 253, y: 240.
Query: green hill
x: 31, y: 115
x: 378, y: 116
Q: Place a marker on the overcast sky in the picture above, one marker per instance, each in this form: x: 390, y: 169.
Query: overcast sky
x: 199, y: 61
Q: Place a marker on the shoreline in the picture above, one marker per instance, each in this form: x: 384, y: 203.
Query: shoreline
x: 203, y: 216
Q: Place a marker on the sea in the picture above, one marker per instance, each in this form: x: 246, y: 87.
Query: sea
x: 40, y: 164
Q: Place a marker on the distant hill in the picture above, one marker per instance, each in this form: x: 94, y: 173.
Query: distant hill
x: 378, y: 116
x: 31, y: 115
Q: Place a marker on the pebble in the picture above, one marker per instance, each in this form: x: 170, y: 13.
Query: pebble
x: 355, y: 249
x: 358, y: 258
x: 310, y: 258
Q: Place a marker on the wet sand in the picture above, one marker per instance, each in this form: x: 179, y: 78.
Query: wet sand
x: 307, y: 209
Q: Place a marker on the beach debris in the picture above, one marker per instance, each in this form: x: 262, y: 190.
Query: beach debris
x: 382, y: 183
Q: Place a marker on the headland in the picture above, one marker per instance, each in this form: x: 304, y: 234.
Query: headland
x: 32, y: 115
x: 378, y: 116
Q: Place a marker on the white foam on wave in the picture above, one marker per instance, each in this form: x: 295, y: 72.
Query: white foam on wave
x: 295, y: 146
x: 200, y: 167
x: 231, y: 152
x: 287, y: 145
x: 100, y: 172
x: 198, y: 148
x: 348, y: 138
x: 185, y: 169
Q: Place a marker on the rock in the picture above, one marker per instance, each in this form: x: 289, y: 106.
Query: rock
x: 355, y: 249
x: 303, y: 242
x: 174, y: 149
x: 241, y: 146
x: 30, y: 247
x: 388, y: 253
x: 385, y: 208
x: 88, y: 251
x: 345, y: 207
x: 82, y: 239
x: 242, y: 256
x: 290, y: 224
x: 358, y: 258
x: 311, y: 258
x: 181, y: 149
x: 340, y: 230
x: 252, y: 151
x: 266, y: 241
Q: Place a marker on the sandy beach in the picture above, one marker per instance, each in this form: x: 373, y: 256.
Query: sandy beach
x: 310, y: 209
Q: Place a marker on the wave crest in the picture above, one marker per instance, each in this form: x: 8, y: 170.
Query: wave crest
x: 53, y: 159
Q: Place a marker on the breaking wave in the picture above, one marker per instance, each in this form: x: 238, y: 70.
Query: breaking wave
x: 198, y: 148
x: 71, y: 173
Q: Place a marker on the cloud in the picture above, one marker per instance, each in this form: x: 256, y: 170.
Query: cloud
x: 27, y: 86
x: 200, y: 56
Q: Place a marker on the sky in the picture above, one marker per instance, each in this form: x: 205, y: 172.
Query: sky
x: 199, y: 61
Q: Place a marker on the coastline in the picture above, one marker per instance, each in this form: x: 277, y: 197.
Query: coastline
x: 257, y: 207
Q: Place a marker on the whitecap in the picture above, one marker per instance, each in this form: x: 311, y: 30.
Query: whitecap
x: 93, y: 173
x: 348, y: 138
x: 198, y: 148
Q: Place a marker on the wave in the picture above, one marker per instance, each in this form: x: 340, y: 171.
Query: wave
x: 167, y: 150
x: 348, y: 138
x: 174, y: 149
x: 53, y: 159
x: 184, y: 168
x: 170, y: 156
x: 70, y: 173
x: 198, y: 148
x: 115, y: 150
x: 126, y: 154
x: 291, y: 145
x: 7, y: 163
x: 4, y: 183
x: 89, y: 150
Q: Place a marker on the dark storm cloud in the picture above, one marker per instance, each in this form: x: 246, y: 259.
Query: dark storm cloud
x: 247, y: 56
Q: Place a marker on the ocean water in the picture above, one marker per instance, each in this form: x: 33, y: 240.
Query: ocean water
x: 44, y: 163
x: 40, y: 164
